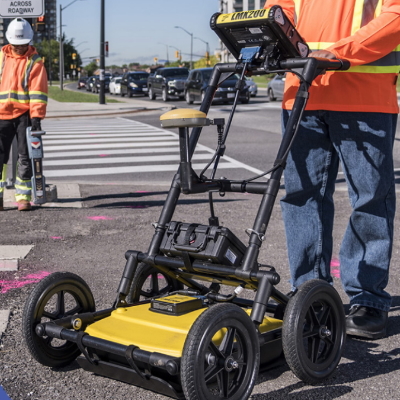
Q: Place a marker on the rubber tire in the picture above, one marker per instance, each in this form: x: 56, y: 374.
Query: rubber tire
x: 247, y: 99
x: 317, y: 300
x: 197, y: 344
x: 143, y: 272
x: 164, y: 94
x: 188, y: 98
x: 54, y: 284
x: 130, y: 95
x: 270, y: 95
x: 151, y: 94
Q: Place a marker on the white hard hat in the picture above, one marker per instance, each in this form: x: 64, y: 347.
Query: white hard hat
x: 19, y: 32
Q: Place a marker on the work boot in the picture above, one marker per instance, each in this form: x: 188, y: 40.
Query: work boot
x: 366, y: 322
x: 1, y: 204
x: 24, y: 205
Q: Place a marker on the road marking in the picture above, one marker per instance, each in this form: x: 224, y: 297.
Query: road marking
x: 141, y: 147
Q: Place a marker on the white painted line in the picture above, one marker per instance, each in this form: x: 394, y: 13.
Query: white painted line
x: 132, y: 138
x: 138, y: 143
x: 126, y: 170
x: 8, y: 265
x: 120, y: 160
x: 14, y: 252
x: 4, y: 317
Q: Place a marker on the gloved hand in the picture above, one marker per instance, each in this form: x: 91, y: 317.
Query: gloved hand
x: 36, y: 124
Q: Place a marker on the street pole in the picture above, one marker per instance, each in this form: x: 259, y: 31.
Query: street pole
x: 61, y: 58
x: 102, y: 97
x: 207, y: 50
x: 191, y: 45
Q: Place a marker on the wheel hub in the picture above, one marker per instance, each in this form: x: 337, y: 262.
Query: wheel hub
x: 231, y: 364
x: 324, y: 332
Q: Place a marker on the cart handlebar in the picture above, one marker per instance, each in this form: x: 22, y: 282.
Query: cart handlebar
x: 321, y: 63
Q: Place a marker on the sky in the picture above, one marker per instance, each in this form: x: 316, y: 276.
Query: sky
x: 139, y: 30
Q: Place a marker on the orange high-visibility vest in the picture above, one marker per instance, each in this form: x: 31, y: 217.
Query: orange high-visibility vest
x: 23, y: 84
x: 365, y: 32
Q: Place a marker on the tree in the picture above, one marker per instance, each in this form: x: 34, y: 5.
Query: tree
x: 91, y: 68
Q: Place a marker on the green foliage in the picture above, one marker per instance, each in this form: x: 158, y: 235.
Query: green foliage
x: 75, y: 97
x: 202, y: 63
x: 91, y: 68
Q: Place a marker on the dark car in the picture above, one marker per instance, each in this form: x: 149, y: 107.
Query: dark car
x: 134, y: 83
x: 96, y: 85
x: 197, y: 82
x: 82, y: 82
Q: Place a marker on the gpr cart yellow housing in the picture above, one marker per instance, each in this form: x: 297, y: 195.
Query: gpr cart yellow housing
x: 190, y: 339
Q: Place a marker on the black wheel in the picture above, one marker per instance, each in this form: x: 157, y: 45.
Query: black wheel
x: 164, y: 94
x: 58, y: 295
x: 188, y: 98
x: 271, y: 96
x: 221, y: 355
x: 247, y: 99
x: 149, y: 282
x: 151, y: 94
x: 313, y: 331
x: 130, y: 94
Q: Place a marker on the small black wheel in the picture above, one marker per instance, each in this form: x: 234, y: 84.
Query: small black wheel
x: 59, y: 295
x: 313, y: 331
x: 221, y: 355
x: 149, y: 282
x: 164, y: 94
x: 270, y: 95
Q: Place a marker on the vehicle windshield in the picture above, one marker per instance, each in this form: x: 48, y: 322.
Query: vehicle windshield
x: 183, y: 72
x: 138, y: 77
x: 207, y: 75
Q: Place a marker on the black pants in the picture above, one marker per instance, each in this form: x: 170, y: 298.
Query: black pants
x: 9, y: 128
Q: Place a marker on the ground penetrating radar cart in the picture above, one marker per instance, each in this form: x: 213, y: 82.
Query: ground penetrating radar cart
x: 196, y: 337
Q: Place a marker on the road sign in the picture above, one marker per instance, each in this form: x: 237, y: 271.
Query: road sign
x: 25, y: 9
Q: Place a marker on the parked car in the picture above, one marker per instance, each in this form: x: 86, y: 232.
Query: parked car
x: 197, y: 82
x: 96, y: 84
x: 115, y: 85
x: 82, y: 82
x: 275, y: 87
x: 168, y: 82
x: 253, y: 88
x: 134, y: 82
x: 89, y: 83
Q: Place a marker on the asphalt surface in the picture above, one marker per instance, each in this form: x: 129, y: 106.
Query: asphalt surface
x: 90, y: 239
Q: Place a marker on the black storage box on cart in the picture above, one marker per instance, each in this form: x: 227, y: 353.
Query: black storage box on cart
x: 203, y: 242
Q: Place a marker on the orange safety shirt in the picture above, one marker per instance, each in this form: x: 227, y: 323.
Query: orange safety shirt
x: 360, y: 31
x: 23, y: 84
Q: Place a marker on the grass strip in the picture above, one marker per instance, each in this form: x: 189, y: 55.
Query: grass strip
x: 69, y: 96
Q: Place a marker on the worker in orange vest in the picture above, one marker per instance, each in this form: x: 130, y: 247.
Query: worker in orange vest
x: 23, y: 101
x: 350, y: 119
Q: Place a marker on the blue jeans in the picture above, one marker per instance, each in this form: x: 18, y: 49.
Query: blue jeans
x: 363, y: 143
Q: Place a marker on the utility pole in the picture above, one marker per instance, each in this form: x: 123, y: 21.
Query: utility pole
x: 102, y: 97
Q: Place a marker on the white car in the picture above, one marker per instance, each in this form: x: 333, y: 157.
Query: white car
x: 115, y: 85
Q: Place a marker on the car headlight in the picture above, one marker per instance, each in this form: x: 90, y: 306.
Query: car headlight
x: 171, y: 83
x: 133, y: 84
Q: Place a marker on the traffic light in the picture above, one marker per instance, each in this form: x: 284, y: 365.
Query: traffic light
x: 40, y: 24
x: 177, y: 55
x: 156, y: 59
x: 74, y: 56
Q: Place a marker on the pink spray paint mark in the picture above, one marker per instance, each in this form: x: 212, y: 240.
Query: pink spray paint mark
x: 56, y: 237
x: 103, y: 155
x: 100, y: 217
x: 335, y: 267
x: 6, y: 286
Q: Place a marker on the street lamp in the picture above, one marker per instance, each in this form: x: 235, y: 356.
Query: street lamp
x: 62, y: 45
x: 207, y: 50
x: 166, y: 46
x: 191, y: 45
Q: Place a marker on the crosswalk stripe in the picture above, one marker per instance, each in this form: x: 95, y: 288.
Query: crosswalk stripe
x: 86, y: 144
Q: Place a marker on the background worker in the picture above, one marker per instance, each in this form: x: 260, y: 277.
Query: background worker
x: 350, y: 117
x: 23, y: 101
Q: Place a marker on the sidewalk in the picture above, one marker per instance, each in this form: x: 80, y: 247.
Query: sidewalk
x: 56, y: 109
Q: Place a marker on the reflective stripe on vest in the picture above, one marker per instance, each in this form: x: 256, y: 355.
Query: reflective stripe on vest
x: 364, y: 12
